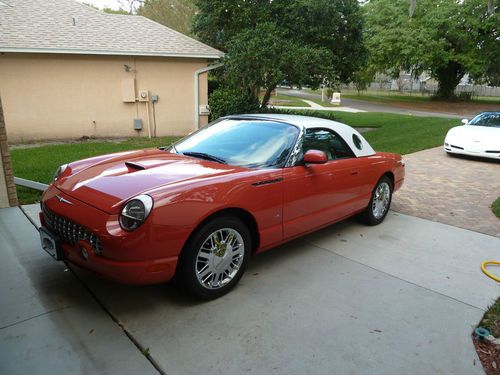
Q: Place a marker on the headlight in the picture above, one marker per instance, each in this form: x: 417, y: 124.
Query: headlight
x: 135, y: 212
x: 60, y: 171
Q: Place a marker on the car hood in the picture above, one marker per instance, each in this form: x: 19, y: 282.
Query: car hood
x: 488, y: 138
x: 108, y: 183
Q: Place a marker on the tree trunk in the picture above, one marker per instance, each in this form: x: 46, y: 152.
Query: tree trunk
x: 449, y: 77
x: 267, y: 96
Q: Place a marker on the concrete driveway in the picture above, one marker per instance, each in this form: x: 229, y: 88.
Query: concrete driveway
x: 453, y: 190
x: 49, y: 322
x: 401, y: 297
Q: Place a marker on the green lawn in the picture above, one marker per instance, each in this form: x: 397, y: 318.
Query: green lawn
x: 393, y: 96
x: 402, y: 134
x: 383, y: 98
x: 495, y: 207
x: 40, y: 163
x: 287, y: 101
x: 491, y: 319
x: 394, y: 133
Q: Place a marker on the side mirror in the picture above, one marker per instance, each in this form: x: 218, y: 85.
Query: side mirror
x: 465, y: 121
x: 315, y: 157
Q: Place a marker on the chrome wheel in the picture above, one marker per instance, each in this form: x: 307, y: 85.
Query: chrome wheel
x: 219, y: 258
x: 381, y: 200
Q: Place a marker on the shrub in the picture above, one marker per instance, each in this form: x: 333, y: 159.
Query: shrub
x: 329, y: 115
x: 495, y: 207
x: 226, y: 101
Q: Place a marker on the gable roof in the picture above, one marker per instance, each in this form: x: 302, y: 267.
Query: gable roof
x: 68, y: 27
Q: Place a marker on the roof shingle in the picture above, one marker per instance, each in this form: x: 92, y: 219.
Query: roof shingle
x: 65, y: 26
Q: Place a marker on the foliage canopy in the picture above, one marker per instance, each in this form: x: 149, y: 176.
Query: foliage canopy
x: 270, y: 41
x: 448, y: 38
x: 176, y: 14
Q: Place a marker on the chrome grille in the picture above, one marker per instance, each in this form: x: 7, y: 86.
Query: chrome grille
x: 70, y: 232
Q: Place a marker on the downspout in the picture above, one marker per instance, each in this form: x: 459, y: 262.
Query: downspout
x: 197, y: 92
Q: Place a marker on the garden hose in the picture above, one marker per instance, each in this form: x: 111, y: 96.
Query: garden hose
x: 486, y: 272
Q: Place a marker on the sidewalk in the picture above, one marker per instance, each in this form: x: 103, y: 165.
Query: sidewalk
x: 316, y: 107
x: 49, y: 322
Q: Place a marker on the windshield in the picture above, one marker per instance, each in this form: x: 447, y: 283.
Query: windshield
x: 491, y: 119
x: 246, y: 143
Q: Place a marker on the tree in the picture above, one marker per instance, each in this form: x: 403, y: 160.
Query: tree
x: 363, y: 77
x: 413, y: 4
x: 445, y: 37
x: 263, y: 57
x: 176, y: 14
x: 268, y: 41
x: 131, y: 5
x: 114, y: 11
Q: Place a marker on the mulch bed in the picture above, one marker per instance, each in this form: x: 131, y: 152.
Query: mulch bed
x: 489, y: 354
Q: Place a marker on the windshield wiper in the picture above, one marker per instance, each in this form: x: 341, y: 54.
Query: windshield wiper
x: 171, y: 147
x: 202, y: 155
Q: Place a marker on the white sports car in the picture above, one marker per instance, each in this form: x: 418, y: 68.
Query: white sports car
x: 478, y: 137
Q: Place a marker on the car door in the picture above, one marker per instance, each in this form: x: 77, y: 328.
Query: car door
x: 315, y: 195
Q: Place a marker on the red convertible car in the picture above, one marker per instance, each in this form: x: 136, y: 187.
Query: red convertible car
x: 200, y: 208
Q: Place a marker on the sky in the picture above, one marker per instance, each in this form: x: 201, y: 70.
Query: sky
x: 113, y: 4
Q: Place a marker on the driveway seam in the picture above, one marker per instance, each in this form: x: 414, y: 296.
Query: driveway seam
x: 144, y: 351
x: 390, y: 275
x: 29, y: 218
x: 33, y: 317
x: 399, y: 210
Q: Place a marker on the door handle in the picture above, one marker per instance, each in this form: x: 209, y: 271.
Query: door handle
x: 354, y: 173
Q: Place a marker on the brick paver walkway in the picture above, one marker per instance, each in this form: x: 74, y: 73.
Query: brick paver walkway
x: 450, y: 190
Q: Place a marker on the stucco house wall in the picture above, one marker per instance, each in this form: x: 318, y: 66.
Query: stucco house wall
x: 68, y: 70
x: 70, y: 96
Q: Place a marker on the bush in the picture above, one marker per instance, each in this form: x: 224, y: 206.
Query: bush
x: 214, y: 83
x: 329, y: 115
x: 495, y: 207
x: 226, y: 101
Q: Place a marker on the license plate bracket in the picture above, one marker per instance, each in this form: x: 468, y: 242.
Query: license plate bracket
x: 51, y: 244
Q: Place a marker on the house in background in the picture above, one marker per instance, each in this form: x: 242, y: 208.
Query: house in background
x: 68, y: 70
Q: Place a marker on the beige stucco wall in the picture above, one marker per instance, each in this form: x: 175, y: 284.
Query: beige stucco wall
x: 49, y: 96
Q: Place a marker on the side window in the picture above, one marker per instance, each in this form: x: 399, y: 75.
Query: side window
x: 327, y: 141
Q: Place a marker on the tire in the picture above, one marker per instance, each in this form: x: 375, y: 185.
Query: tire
x: 379, y: 205
x: 208, y: 269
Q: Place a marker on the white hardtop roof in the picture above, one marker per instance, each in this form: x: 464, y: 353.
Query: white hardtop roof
x: 307, y: 122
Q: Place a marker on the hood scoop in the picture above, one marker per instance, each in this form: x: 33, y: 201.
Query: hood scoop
x: 141, y: 165
x: 134, y: 166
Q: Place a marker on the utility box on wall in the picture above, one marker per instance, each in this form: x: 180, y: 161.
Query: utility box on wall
x: 204, y: 110
x: 144, y: 96
x: 128, y: 90
x: 138, y: 124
